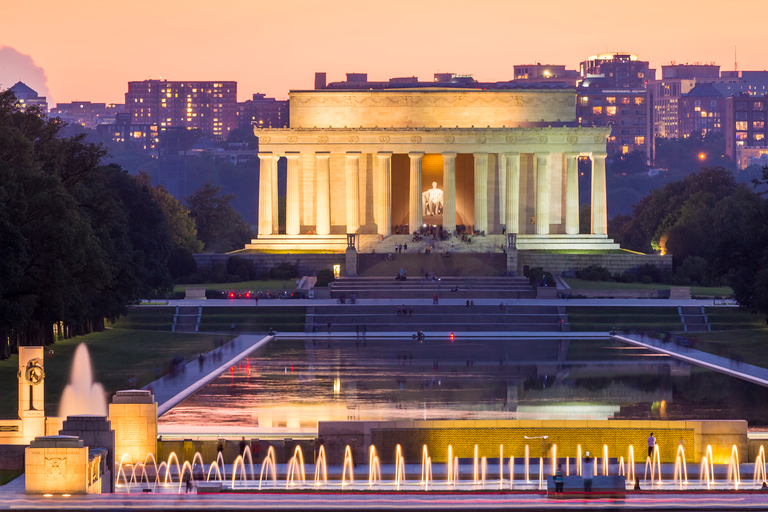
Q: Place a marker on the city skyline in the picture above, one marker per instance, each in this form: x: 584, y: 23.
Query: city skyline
x: 273, y: 48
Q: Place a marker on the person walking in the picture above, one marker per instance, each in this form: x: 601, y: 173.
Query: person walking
x: 587, y: 472
x: 559, y: 479
x: 243, y: 444
x: 651, y: 444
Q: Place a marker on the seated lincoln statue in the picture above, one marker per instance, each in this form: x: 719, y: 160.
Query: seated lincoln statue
x: 432, y: 200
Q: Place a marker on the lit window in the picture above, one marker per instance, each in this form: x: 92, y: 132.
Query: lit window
x: 741, y: 125
x: 639, y: 141
x: 625, y: 101
x: 596, y: 111
x: 759, y: 136
x: 639, y: 101
x: 610, y: 100
x: 611, y: 111
x: 758, y: 125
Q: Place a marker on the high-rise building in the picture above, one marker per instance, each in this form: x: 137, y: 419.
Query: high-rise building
x: 745, y: 127
x: 210, y: 107
x: 620, y: 70
x: 28, y: 97
x: 543, y: 73
x: 676, y: 80
x: 626, y: 110
x: 87, y: 114
x: 702, y: 111
x: 263, y: 112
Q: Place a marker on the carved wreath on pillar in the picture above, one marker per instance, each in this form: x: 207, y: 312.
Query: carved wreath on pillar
x: 292, y: 139
x: 354, y: 138
x: 599, y: 138
x: 384, y: 139
x: 511, y: 139
x: 323, y: 139
x: 450, y: 139
x: 264, y: 139
x: 480, y: 139
x: 416, y: 139
x: 542, y: 139
x: 572, y: 139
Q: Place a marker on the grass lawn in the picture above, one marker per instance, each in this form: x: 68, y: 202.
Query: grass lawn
x: 272, y: 284
x: 6, y: 475
x: 147, y: 317
x: 724, y: 318
x: 596, y: 318
x: 250, y: 319
x: 116, y: 356
x: 746, y: 345
x: 712, y: 291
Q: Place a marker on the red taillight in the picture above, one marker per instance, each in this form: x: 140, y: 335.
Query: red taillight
x: 452, y: 337
x: 231, y: 295
x: 247, y: 295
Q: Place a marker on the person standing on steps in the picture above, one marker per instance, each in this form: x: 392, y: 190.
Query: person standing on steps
x: 651, y: 444
x: 559, y: 479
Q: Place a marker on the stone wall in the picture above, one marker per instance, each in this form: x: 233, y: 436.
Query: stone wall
x: 309, y: 264
x: 568, y: 263
x: 463, y: 435
x: 12, y: 456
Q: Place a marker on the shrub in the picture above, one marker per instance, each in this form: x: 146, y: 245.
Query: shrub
x: 646, y: 279
x: 240, y: 266
x: 594, y: 273
x: 324, y: 278
x: 284, y: 271
x: 650, y: 271
x: 537, y: 276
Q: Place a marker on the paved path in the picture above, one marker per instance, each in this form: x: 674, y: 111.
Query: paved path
x: 445, y: 299
x: 170, y: 390
x: 738, y: 369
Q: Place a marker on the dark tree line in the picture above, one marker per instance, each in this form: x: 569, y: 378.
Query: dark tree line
x: 80, y: 240
x: 709, y: 221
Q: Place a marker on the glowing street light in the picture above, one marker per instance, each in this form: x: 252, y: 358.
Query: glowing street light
x: 702, y: 156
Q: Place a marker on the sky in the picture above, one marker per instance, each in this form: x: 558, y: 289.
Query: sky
x: 88, y: 50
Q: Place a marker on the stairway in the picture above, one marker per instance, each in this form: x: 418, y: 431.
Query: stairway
x: 694, y: 319
x: 441, y: 318
x: 187, y: 318
x: 500, y: 287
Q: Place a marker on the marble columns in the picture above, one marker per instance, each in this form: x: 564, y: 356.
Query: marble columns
x: 384, y: 194
x: 542, y: 193
x: 599, y: 206
x: 572, y: 194
x: 275, y: 218
x: 265, y: 193
x: 513, y: 192
x: 449, y: 192
x: 323, y: 213
x: 481, y: 191
x: 292, y: 202
x: 353, y: 191
x: 414, y: 195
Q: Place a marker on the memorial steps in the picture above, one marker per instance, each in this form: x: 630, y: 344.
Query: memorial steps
x: 504, y: 288
x: 437, y: 318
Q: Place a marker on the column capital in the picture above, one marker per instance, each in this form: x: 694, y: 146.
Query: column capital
x: 265, y: 154
x: 481, y: 156
x: 596, y: 154
x: 323, y: 155
x: 511, y: 153
x: 384, y: 154
x: 292, y: 155
x: 416, y: 155
x: 449, y: 154
x: 353, y: 155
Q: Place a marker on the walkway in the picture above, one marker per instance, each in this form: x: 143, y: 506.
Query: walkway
x: 737, y: 369
x: 170, y: 390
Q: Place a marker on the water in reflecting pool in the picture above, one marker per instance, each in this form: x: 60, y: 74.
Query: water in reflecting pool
x: 290, y: 385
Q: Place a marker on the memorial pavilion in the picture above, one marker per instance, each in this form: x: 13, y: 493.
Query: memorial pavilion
x: 383, y: 162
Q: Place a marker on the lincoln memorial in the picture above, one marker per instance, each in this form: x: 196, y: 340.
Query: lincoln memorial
x: 385, y: 162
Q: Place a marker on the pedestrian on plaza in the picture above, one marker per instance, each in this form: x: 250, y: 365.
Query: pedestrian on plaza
x: 188, y: 481
x: 406, y: 247
x: 434, y: 299
x: 329, y: 327
x: 243, y: 444
x: 220, y: 448
x: 651, y: 444
x: 587, y: 472
x: 357, y: 329
x: 410, y: 311
x: 559, y: 479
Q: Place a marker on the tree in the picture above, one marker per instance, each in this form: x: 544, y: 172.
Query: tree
x: 183, y: 229
x: 219, y: 226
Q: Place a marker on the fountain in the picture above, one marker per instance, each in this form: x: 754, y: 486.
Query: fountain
x: 680, y: 474
x: 269, y: 466
x: 374, y: 467
x: 82, y: 395
x: 527, y: 465
x: 426, y: 467
x: 758, y: 474
x: 578, y: 460
x: 707, y: 472
x: 554, y: 458
x: 653, y: 462
x: 501, y: 466
x: 399, y: 467
x: 631, y: 464
x: 475, y: 467
x: 605, y: 460
x: 295, y: 468
x: 511, y: 472
x: 321, y: 467
x: 349, y: 463
x: 733, y: 468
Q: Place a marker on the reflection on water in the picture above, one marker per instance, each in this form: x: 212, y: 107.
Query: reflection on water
x: 290, y: 385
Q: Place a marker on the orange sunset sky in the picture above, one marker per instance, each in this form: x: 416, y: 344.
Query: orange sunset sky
x: 89, y: 49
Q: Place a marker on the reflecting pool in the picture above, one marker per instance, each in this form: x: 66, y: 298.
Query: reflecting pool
x: 289, y: 385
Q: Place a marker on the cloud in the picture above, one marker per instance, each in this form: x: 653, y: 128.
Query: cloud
x: 15, y: 67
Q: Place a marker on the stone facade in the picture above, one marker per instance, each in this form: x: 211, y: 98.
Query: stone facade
x: 133, y: 414
x: 61, y: 465
x: 359, y: 162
